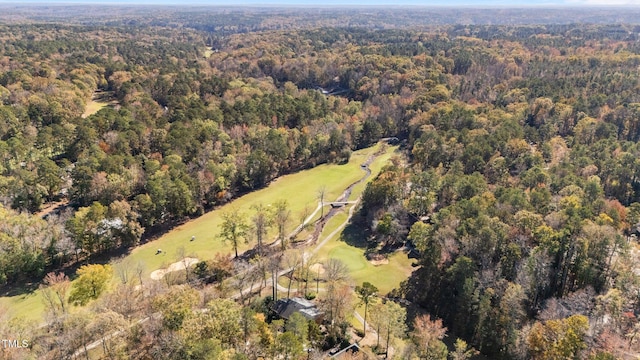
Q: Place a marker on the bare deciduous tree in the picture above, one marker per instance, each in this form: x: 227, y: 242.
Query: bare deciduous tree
x: 54, y: 292
x: 322, y: 192
x: 282, y: 216
x: 261, y: 222
x: 292, y: 260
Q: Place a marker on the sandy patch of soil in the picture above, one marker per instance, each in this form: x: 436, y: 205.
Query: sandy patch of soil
x: 51, y: 207
x: 176, y: 266
x: 377, y: 259
x: 379, y: 262
x: 316, y: 268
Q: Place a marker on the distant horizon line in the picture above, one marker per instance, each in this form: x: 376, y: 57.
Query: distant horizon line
x: 142, y: 3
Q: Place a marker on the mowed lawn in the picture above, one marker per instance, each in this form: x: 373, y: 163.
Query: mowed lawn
x: 28, y: 307
x: 385, y: 277
x: 299, y: 189
x: 375, y: 167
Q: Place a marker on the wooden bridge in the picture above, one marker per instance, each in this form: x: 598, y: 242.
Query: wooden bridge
x: 339, y: 204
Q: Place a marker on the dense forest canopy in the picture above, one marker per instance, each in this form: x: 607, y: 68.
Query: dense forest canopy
x: 228, y: 20
x: 518, y: 187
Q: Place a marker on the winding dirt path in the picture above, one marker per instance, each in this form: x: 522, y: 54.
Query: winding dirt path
x: 51, y: 207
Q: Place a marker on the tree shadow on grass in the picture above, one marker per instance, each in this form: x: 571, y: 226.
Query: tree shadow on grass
x: 358, y: 234
x: 16, y: 290
x: 355, y: 234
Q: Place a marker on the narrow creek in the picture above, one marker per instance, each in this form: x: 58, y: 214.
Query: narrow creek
x: 341, y: 199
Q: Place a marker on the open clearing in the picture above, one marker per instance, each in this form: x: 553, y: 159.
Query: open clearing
x: 99, y: 100
x: 93, y: 107
x: 299, y: 189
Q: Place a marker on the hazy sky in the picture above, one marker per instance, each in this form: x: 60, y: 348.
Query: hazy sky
x: 477, y: 3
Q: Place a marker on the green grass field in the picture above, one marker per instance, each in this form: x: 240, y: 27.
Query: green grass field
x: 375, y: 168
x: 93, y: 107
x: 385, y: 277
x: 27, y: 307
x: 299, y: 189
